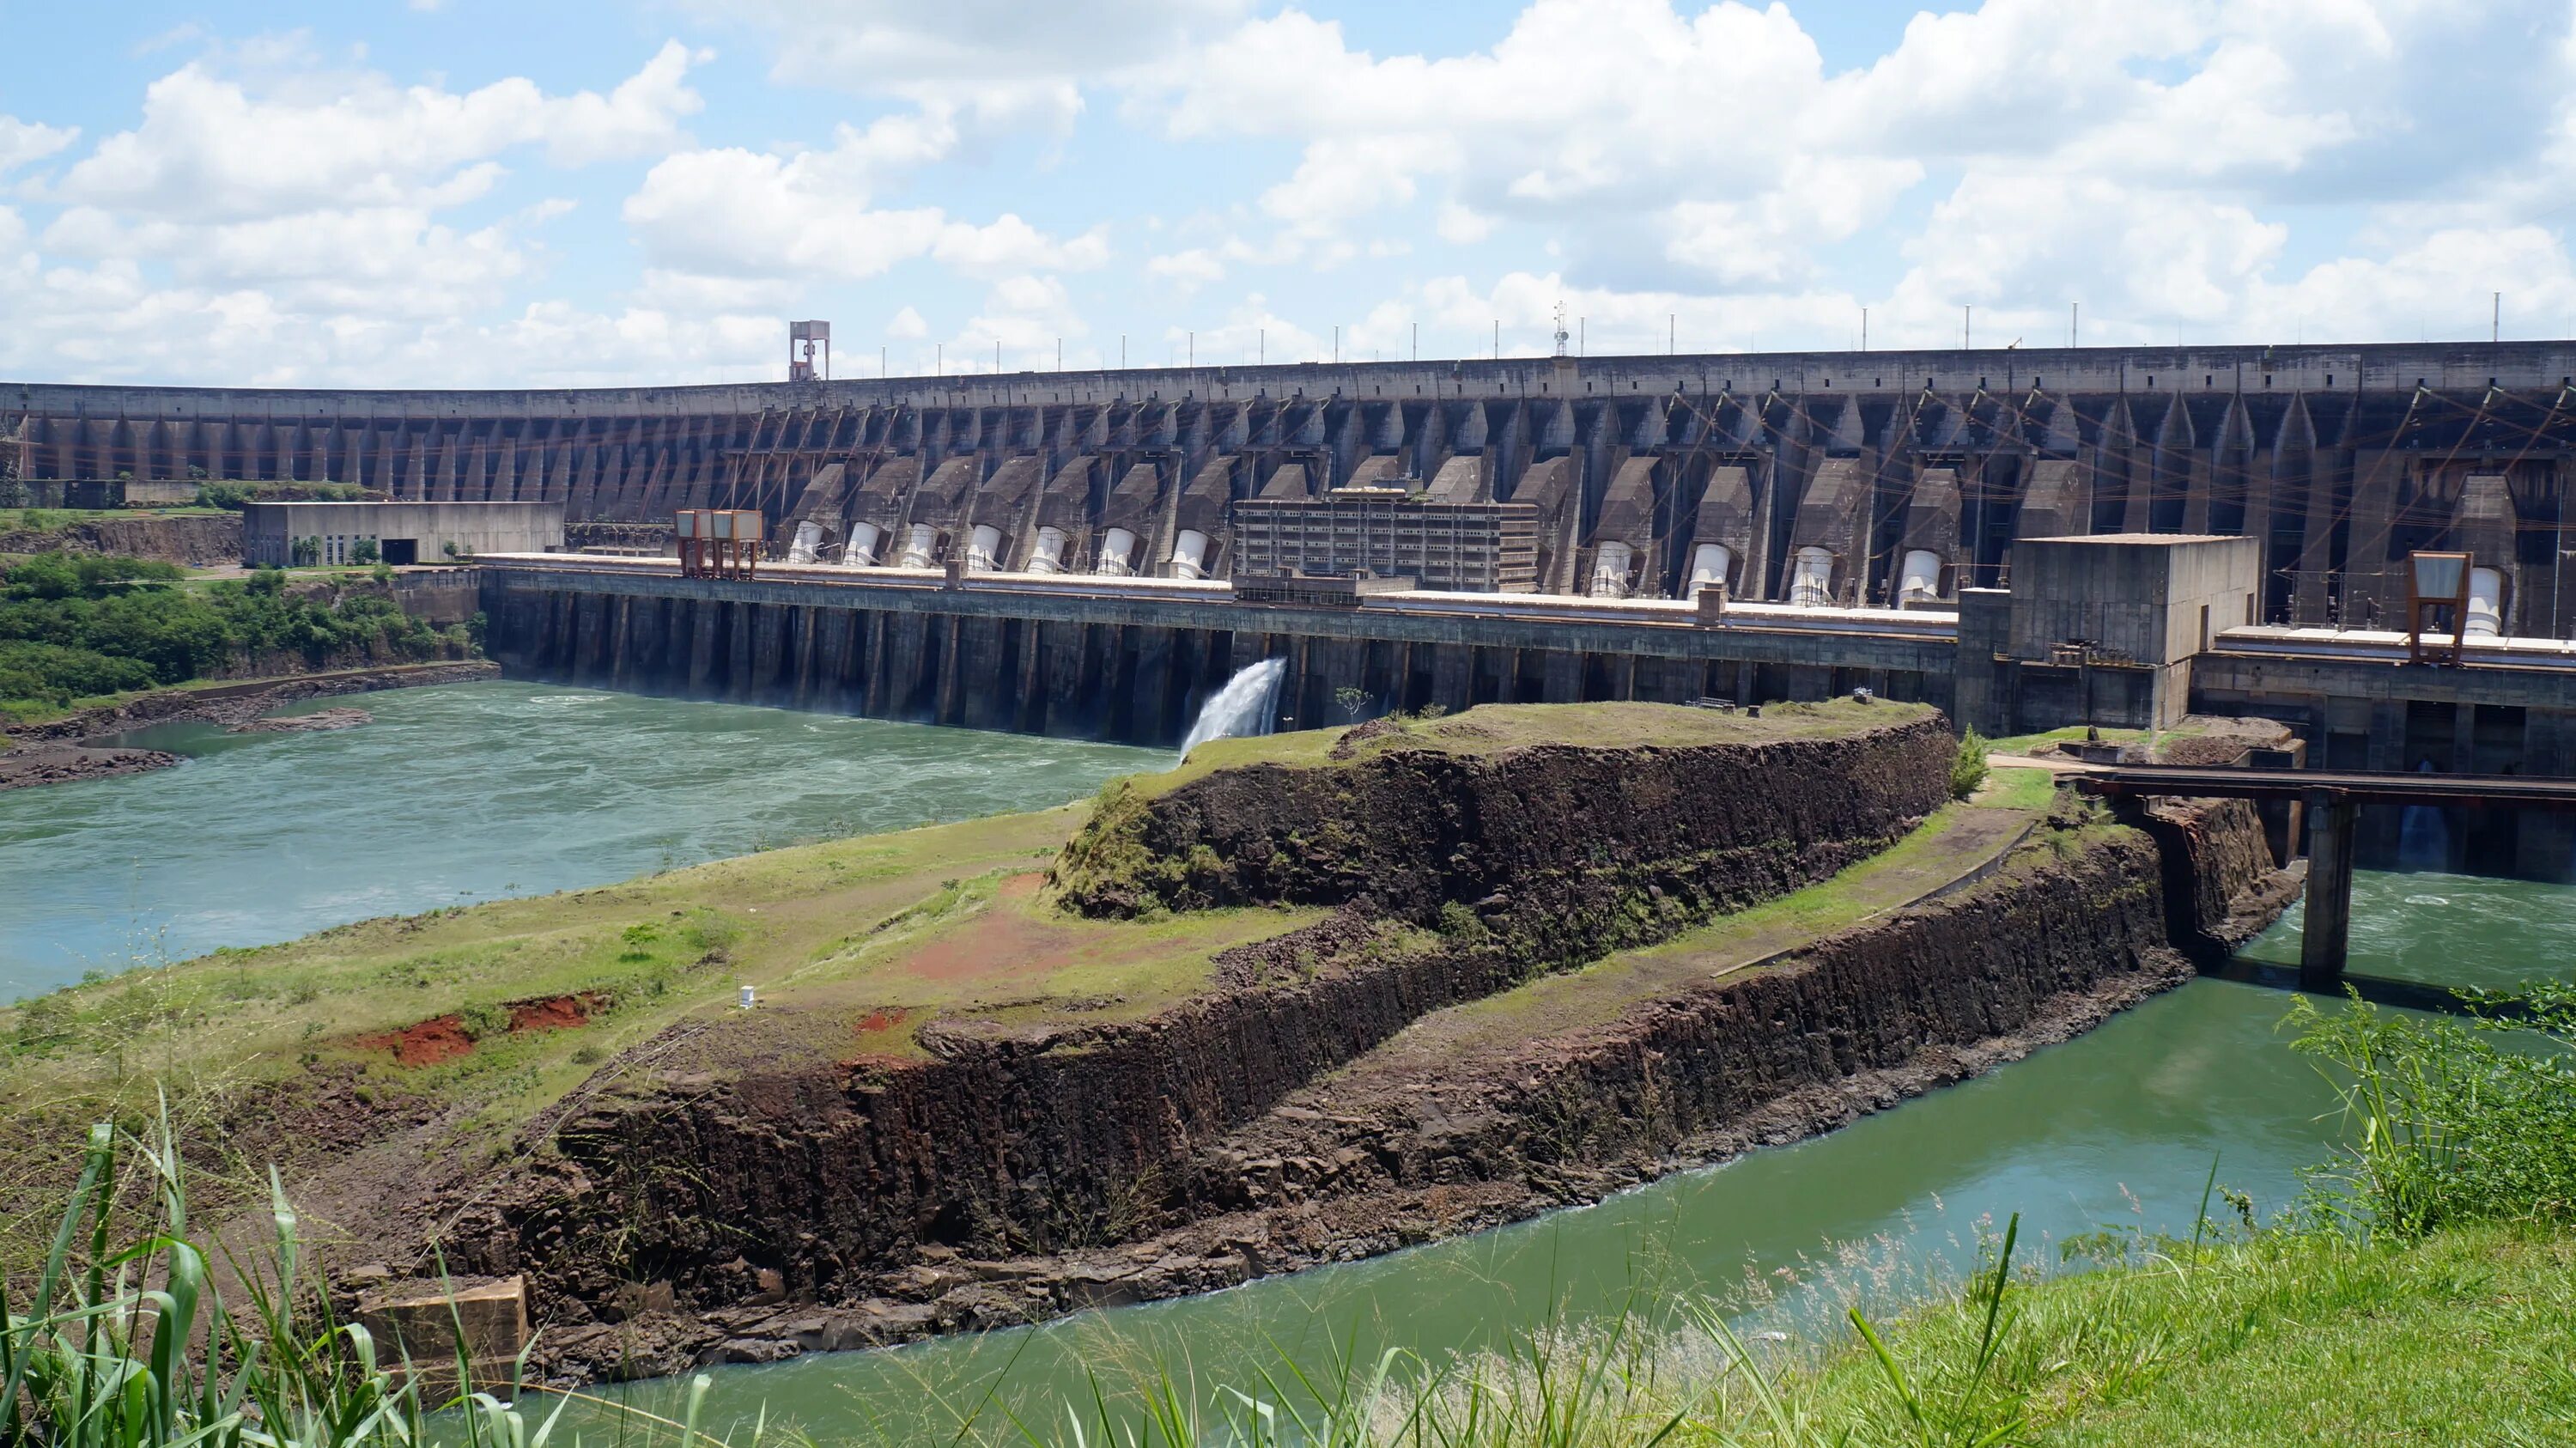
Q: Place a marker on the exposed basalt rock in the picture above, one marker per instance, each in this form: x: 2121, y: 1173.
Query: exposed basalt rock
x: 236, y: 703
x: 1017, y: 1169
x: 198, y: 540
x: 1547, y: 844
x: 346, y: 717
x: 2073, y: 931
x: 61, y: 764
x: 2221, y: 888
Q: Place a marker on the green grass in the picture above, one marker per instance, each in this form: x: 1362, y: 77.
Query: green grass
x: 135, y: 1326
x: 911, y: 924
x: 54, y: 520
x: 2274, y: 1338
x: 2008, y: 788
x: 2074, y: 734
x: 1498, y: 728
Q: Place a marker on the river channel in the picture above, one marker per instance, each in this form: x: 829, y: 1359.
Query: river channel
x: 462, y: 793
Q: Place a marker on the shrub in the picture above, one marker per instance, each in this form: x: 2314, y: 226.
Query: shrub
x: 1968, y: 766
x: 364, y: 551
x: 53, y: 674
x: 2452, y: 1121
x: 236, y: 495
x: 77, y: 626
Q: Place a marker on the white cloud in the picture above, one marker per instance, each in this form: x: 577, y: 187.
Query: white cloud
x: 24, y: 142
x: 742, y: 213
x: 1003, y: 63
x: 209, y: 148
x: 274, y: 219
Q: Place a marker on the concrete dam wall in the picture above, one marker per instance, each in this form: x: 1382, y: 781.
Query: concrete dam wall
x: 1857, y: 478
x: 1132, y: 671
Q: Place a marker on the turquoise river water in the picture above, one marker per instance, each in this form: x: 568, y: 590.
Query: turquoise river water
x: 482, y: 790
x: 462, y: 793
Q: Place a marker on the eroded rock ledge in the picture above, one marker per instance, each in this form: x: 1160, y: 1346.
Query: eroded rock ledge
x: 1021, y: 1165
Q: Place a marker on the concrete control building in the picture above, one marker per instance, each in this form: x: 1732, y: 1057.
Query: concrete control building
x: 1390, y: 533
x: 404, y: 533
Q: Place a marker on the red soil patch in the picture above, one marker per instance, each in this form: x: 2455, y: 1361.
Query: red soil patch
x: 434, y: 1040
x: 558, y: 1014
x: 443, y: 1038
x: 883, y: 1020
x: 1004, y: 942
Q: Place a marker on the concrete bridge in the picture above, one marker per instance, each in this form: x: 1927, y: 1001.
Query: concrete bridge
x: 2331, y: 800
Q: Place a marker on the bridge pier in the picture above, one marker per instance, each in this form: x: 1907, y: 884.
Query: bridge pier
x: 2327, y: 933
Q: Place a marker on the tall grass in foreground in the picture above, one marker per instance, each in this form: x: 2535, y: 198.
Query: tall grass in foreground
x: 136, y: 1331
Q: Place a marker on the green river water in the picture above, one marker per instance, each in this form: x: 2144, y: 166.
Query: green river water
x: 462, y: 793
x: 476, y: 791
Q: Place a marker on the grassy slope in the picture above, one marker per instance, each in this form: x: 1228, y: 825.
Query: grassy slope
x: 2287, y: 1339
x: 901, y: 926
x: 661, y: 947
x: 2074, y: 734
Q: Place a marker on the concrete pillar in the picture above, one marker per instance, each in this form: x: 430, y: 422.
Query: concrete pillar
x: 2327, y: 933
x: 1564, y: 677
x: 2545, y: 840
x: 1452, y: 683
x: 702, y: 642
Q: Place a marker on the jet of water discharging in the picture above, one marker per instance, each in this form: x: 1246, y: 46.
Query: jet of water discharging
x: 1246, y: 705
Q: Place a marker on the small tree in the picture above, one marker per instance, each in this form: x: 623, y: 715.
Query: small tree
x: 364, y: 551
x: 305, y: 552
x: 1968, y: 766
x: 1352, y: 701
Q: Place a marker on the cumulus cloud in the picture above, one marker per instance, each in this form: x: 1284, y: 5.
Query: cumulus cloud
x: 211, y: 148
x: 1002, y: 63
x: 740, y: 213
x: 274, y: 218
x: 23, y: 142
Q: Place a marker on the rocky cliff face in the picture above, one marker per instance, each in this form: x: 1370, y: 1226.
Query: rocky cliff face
x: 1554, y: 846
x: 2221, y: 888
x: 198, y: 540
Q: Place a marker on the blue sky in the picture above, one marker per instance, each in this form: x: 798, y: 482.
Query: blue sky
x: 582, y: 193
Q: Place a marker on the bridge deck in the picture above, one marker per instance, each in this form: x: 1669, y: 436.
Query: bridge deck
x: 2514, y: 791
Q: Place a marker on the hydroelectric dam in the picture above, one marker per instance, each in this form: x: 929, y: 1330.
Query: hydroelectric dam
x: 2027, y: 538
